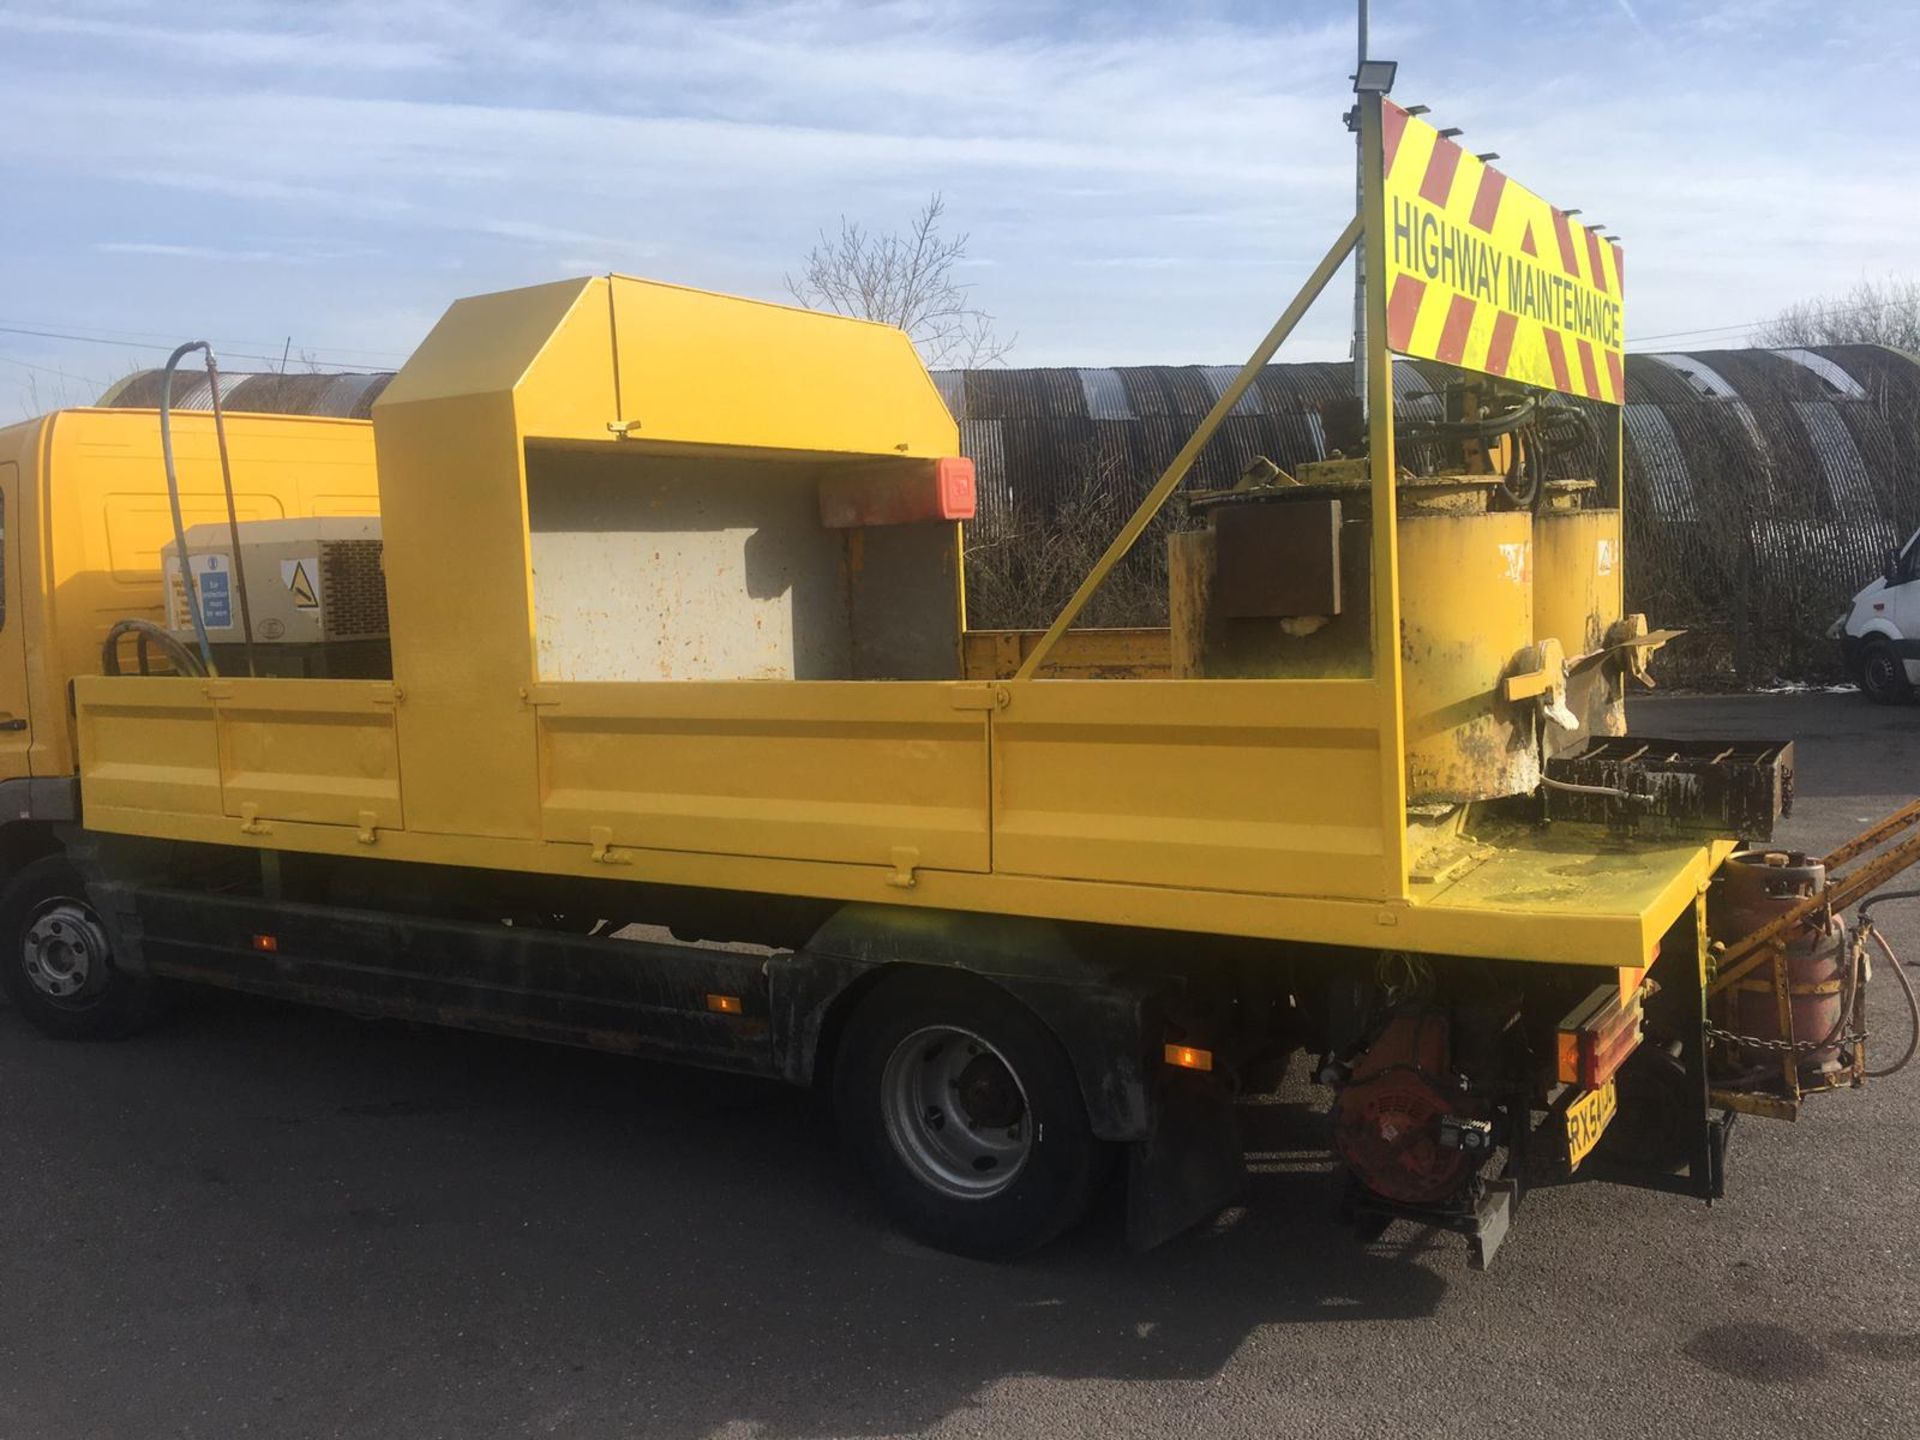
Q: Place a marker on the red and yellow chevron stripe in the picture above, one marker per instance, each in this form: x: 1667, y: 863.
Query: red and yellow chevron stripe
x: 1484, y: 274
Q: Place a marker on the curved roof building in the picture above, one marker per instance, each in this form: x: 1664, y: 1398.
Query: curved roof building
x: 342, y: 396
x: 1763, y: 486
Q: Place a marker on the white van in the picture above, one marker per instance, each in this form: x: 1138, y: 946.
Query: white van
x: 1880, y: 633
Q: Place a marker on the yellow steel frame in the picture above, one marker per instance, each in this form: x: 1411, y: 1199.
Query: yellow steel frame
x: 1389, y: 686
x: 1262, y: 807
x: 1176, y: 471
x: 1367, y: 229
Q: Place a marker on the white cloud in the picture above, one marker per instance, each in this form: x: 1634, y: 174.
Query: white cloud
x: 1141, y: 181
x: 244, y: 49
x: 187, y: 252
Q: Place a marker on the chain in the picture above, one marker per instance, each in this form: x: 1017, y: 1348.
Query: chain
x: 1754, y: 1042
x: 1784, y: 1047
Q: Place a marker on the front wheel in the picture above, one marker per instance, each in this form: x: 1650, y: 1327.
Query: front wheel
x: 1883, y: 674
x: 56, y: 959
x: 966, y: 1113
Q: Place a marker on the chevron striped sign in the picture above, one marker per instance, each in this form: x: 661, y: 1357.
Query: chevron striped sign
x: 1484, y: 274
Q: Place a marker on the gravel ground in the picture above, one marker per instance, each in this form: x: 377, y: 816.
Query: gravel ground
x: 264, y: 1220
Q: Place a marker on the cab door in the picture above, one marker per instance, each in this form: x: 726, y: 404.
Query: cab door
x: 1900, y: 603
x: 15, y: 736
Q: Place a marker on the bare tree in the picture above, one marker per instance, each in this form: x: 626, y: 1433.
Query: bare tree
x: 903, y: 278
x: 1873, y: 312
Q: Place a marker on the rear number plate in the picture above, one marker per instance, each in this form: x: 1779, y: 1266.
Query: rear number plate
x: 1587, y: 1120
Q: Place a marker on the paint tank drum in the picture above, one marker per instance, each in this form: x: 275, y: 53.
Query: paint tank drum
x: 1576, y: 600
x: 1576, y: 577
x: 1466, y: 622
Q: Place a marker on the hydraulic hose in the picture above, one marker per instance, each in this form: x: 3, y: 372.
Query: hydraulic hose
x: 1899, y: 973
x: 1492, y: 427
x: 1608, y: 791
x: 182, y: 659
x: 1913, y: 1008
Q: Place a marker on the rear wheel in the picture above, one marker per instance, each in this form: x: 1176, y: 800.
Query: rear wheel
x: 966, y: 1113
x: 1883, y: 674
x: 56, y: 959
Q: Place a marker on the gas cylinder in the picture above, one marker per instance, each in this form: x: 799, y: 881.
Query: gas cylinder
x: 1754, y: 888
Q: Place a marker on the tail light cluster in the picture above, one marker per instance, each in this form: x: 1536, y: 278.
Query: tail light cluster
x: 1597, y: 1036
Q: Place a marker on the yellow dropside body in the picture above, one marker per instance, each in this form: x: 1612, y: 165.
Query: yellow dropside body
x: 1247, y: 807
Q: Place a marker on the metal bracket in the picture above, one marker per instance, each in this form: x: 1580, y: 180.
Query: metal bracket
x: 1545, y: 683
x: 1631, y: 643
x: 980, y: 697
x: 600, y: 837
x: 905, y: 860
x: 1485, y: 1226
x: 368, y: 833
x: 1756, y: 1102
x: 250, y: 822
x: 1491, y: 1221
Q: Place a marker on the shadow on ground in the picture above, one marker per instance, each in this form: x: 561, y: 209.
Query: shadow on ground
x: 347, y: 1224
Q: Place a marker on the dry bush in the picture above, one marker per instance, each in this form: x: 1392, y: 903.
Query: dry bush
x: 1873, y: 312
x: 1023, y: 566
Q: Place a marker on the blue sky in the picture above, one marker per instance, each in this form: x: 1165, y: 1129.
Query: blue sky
x: 1142, y: 182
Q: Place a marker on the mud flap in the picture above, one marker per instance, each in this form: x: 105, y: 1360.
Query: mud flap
x: 1189, y: 1167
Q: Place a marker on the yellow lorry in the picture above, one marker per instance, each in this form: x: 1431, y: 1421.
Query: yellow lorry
x: 676, y: 638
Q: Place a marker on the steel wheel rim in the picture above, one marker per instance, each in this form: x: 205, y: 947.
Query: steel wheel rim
x: 64, y: 952
x: 1879, y: 673
x: 956, y: 1112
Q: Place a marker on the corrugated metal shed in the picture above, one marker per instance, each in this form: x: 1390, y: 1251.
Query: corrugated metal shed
x: 1763, y: 486
x: 342, y: 396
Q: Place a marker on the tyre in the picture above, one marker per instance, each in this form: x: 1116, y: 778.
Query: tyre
x: 56, y: 961
x: 1883, y: 675
x: 965, y: 1112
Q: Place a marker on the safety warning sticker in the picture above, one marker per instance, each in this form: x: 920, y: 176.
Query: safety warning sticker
x: 299, y: 577
x: 1484, y: 274
x: 214, y: 582
x: 212, y: 586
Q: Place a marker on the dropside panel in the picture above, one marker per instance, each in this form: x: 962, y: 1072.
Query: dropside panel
x: 1270, y: 787
x: 321, y: 751
x: 868, y: 774
x: 148, y: 743
x: 316, y: 750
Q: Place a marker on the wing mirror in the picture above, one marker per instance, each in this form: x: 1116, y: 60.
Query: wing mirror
x: 1891, y: 574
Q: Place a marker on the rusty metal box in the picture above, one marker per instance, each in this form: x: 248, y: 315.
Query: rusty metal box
x: 1277, y: 558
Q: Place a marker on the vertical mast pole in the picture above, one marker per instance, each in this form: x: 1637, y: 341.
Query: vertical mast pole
x: 1384, y: 469
x: 1360, y: 254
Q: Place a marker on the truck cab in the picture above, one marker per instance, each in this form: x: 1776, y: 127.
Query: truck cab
x: 84, y: 515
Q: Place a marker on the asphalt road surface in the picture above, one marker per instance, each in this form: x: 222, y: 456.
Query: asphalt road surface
x: 261, y: 1220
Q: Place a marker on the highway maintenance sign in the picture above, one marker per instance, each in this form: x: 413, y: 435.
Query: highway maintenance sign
x: 1484, y: 274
